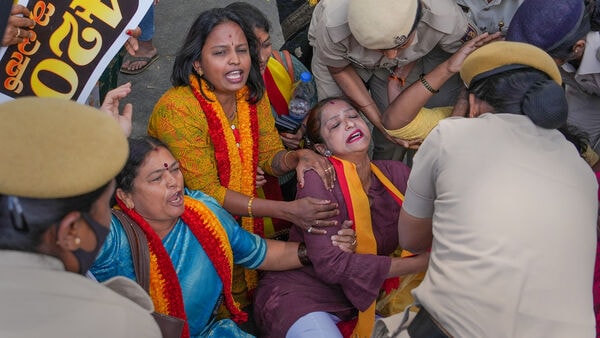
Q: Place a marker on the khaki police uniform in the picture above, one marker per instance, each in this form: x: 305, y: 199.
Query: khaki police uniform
x: 490, y: 16
x: 442, y: 30
x: 41, y: 299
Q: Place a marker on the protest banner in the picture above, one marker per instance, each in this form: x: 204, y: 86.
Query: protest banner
x: 72, y: 43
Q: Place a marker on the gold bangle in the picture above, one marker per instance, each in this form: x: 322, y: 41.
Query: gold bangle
x: 250, y: 206
x: 285, y: 159
x: 427, y: 85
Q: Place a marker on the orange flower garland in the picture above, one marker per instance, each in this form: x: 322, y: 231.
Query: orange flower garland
x: 165, y: 290
x: 215, y: 242
x: 227, y: 154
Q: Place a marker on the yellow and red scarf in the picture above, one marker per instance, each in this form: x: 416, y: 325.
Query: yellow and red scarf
x: 164, y: 288
x: 359, y: 211
x: 236, y: 165
x: 279, y: 86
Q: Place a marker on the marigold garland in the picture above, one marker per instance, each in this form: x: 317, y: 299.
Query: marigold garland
x: 165, y: 290
x: 207, y: 228
x: 227, y: 154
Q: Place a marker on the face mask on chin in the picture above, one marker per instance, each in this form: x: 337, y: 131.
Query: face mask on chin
x: 87, y: 258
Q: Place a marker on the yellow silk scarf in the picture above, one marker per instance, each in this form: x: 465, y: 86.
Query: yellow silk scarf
x: 281, y: 77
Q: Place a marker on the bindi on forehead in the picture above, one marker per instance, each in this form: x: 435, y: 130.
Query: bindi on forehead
x: 332, y: 102
x: 165, y: 165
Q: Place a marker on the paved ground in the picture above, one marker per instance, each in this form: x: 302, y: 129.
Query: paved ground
x: 172, y: 20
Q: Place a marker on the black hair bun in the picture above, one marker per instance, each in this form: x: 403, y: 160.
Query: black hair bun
x: 546, y: 105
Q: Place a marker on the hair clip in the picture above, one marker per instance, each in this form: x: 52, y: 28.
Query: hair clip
x: 16, y: 214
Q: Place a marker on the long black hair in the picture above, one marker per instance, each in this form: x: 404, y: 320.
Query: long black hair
x: 191, y: 50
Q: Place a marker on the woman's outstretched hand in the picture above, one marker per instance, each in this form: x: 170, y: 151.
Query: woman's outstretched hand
x: 111, y: 107
x: 456, y: 61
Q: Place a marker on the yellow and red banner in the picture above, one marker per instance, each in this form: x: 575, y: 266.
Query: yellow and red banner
x: 72, y: 43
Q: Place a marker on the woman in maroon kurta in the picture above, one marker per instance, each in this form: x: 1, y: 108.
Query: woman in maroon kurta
x: 338, y: 282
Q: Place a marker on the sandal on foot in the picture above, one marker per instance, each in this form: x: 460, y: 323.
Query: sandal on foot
x: 148, y: 59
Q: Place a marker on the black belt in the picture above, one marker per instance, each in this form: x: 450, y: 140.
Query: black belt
x: 425, y: 326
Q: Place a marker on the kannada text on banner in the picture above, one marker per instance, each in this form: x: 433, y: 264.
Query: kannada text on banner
x: 72, y: 43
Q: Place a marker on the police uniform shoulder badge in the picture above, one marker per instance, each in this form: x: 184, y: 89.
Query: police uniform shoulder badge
x: 469, y: 34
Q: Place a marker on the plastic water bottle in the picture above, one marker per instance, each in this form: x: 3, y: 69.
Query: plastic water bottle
x: 300, y: 104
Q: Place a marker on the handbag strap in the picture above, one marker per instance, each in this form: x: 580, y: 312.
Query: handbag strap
x: 139, y: 248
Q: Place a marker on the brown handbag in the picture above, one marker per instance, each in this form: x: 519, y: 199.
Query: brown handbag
x: 170, y: 327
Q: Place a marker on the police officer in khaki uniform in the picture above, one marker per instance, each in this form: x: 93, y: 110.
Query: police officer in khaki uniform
x: 359, y: 43
x: 490, y: 15
x: 57, y: 178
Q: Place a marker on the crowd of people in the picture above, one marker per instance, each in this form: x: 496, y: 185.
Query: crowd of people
x: 453, y: 140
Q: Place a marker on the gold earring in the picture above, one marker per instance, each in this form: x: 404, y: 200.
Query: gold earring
x: 199, y: 71
x: 77, y: 241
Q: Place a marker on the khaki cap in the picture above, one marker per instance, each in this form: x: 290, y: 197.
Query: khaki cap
x: 56, y: 148
x: 500, y: 56
x: 381, y: 24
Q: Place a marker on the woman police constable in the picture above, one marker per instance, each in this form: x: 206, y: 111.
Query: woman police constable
x: 59, y: 161
x: 521, y: 222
